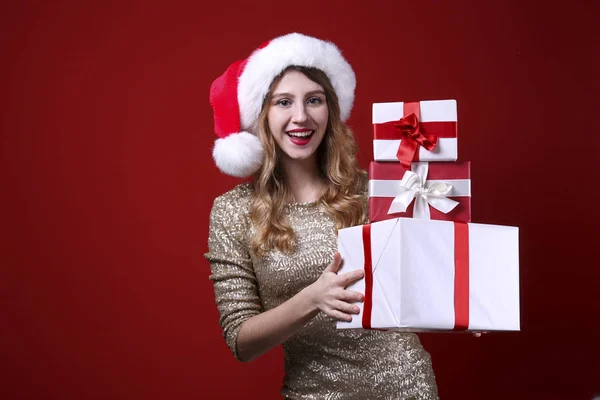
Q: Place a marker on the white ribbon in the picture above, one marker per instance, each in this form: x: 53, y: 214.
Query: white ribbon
x: 415, y: 186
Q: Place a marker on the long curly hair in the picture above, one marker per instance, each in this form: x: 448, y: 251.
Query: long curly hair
x: 343, y: 200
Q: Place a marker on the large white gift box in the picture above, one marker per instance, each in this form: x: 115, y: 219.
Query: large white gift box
x: 433, y: 275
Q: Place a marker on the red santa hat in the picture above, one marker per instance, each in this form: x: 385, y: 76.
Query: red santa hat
x: 237, y: 95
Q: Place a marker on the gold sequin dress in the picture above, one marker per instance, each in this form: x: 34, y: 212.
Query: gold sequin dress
x: 321, y: 362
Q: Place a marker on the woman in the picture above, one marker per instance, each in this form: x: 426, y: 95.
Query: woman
x: 272, y: 243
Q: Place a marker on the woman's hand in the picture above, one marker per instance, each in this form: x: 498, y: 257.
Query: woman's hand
x: 329, y: 292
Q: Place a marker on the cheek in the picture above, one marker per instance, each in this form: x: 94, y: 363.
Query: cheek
x: 270, y: 120
x: 275, y: 122
x: 323, y: 117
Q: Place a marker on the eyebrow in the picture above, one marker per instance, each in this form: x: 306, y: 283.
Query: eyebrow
x: 312, y: 92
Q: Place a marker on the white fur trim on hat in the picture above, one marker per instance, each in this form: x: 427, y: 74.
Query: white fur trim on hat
x: 239, y: 154
x: 265, y: 64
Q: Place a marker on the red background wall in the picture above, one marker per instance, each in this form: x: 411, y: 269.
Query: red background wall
x: 108, y: 181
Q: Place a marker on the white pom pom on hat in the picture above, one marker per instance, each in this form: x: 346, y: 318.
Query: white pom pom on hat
x: 237, y: 95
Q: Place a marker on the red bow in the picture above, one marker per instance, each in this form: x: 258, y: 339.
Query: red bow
x: 412, y: 138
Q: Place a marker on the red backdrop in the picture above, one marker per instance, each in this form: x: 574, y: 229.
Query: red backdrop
x: 108, y: 182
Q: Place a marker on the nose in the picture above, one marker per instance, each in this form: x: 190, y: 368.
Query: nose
x: 299, y: 115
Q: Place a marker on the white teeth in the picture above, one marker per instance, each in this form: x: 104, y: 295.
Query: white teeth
x: 300, y: 134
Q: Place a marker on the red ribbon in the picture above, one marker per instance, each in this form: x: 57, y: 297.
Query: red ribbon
x: 368, y: 302
x: 413, y: 133
x: 461, y: 276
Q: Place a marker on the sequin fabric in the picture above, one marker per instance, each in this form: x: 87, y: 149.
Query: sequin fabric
x: 321, y: 362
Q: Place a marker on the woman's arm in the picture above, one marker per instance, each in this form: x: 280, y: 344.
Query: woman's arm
x: 269, y: 329
x: 249, y: 331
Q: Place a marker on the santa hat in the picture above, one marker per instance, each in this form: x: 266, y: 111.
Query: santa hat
x: 237, y: 95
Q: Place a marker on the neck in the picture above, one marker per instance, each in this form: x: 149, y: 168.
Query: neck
x: 303, y: 179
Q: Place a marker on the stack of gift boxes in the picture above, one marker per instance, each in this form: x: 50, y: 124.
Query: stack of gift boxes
x: 427, y: 267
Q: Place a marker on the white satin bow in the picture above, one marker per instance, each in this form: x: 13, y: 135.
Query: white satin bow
x: 415, y: 185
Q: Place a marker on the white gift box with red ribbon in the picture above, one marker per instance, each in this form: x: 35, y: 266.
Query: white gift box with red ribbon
x: 433, y: 275
x: 415, y: 131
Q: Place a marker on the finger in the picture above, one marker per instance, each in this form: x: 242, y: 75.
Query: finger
x: 352, y: 276
x: 334, y: 266
x: 340, y: 315
x: 351, y: 296
x: 344, y: 307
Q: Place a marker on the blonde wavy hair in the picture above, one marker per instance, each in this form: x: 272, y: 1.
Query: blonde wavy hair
x: 343, y: 200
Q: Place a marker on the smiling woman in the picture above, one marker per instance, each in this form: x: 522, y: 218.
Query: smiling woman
x: 272, y: 243
x: 297, y: 116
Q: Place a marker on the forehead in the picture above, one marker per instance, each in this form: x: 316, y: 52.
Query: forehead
x: 295, y: 81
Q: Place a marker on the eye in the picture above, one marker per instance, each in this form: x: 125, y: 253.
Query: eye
x: 315, y: 100
x: 284, y: 103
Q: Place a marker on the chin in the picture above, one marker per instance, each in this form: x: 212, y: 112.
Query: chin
x: 300, y: 156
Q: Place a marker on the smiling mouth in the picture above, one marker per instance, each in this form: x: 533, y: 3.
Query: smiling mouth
x: 300, y: 137
x: 300, y: 134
